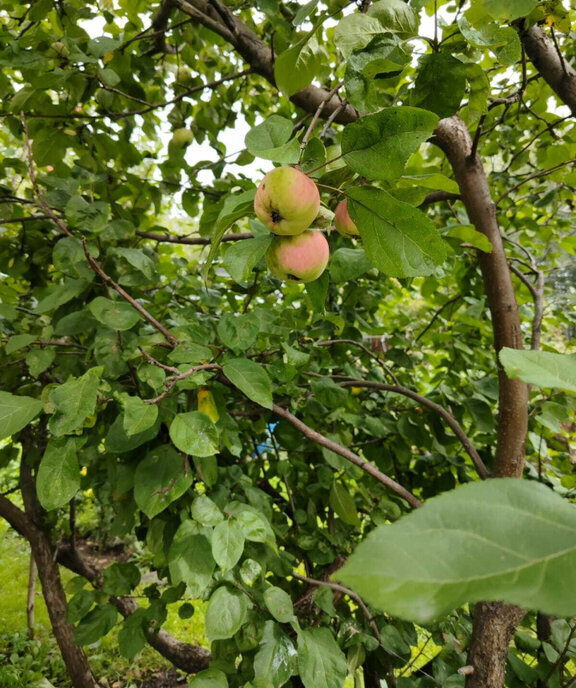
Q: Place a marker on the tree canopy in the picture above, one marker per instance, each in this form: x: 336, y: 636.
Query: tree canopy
x: 292, y: 453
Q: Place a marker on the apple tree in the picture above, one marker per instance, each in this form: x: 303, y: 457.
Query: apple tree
x: 356, y: 465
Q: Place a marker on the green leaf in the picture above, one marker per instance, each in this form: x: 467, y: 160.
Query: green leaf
x: 205, y: 511
x: 255, y: 527
x: 400, y: 240
x: 73, y: 402
x: 295, y: 68
x: 324, y: 600
x: 243, y: 256
x: 235, y: 206
x: 138, y: 416
x: 160, y: 479
x: 396, y: 15
x: 90, y: 217
x: 378, y: 146
x: 279, y: 604
x: 509, y: 10
x: 190, y: 353
x: 118, y: 315
x: 39, y: 360
x: 272, y: 140
x: 502, y: 40
x: 58, y: 296
x: 370, y: 71
x: 209, y: 678
x: 120, y: 578
x: 541, y: 368
x: 343, y: 504
x: 16, y: 412
x: 190, y: 558
x: 469, y: 235
x: 18, y: 341
x: 432, y: 181
x: 97, y: 623
x: 251, y: 379
x: 118, y: 442
x: 502, y: 539
x: 238, y: 331
x: 194, y: 433
x: 227, y: 611
x: 275, y: 660
x: 131, y: 637
x: 355, y: 31
x: 347, y: 264
x: 440, y: 84
x: 58, y: 477
x: 321, y: 662
x: 79, y: 605
x: 227, y: 544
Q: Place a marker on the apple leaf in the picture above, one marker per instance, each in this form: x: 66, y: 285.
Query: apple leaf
x: 400, y: 240
x: 541, y: 368
x: 378, y: 146
x: 502, y: 539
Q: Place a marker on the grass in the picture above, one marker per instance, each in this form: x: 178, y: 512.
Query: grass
x: 23, y: 663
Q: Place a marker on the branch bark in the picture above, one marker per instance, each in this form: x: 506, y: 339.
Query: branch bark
x: 440, y: 410
x: 52, y: 590
x: 259, y: 56
x: 548, y: 60
x: 494, y: 622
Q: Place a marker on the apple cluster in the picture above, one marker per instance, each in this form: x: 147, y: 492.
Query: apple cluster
x: 288, y: 202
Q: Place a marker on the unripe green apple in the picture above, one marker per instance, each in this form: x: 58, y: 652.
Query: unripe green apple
x: 183, y: 76
x: 302, y: 257
x: 182, y: 137
x: 287, y: 201
x: 58, y: 49
x: 343, y: 222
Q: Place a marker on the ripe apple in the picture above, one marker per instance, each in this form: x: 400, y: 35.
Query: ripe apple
x: 343, y: 222
x: 182, y: 137
x: 287, y: 201
x: 302, y: 258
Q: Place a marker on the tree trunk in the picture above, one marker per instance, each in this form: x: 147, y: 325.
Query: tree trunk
x: 73, y: 655
x: 494, y: 624
x: 76, y: 663
x: 30, y: 602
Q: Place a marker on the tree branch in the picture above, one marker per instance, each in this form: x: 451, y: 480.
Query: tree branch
x: 259, y: 56
x: 453, y: 138
x: 440, y: 410
x: 91, y: 261
x: 347, y: 454
x: 547, y: 59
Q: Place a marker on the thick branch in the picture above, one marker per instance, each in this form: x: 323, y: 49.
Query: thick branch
x: 547, y: 59
x: 259, y: 56
x: 453, y: 138
x: 189, y: 658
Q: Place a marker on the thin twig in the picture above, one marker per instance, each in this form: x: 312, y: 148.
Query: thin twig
x: 346, y: 591
x: 91, y: 261
x: 347, y: 454
x: 440, y: 410
x: 352, y: 342
x: 193, y: 241
x: 542, y: 173
x: 308, y: 134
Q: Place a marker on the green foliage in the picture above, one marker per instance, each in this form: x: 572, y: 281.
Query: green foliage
x: 504, y: 539
x: 106, y: 410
